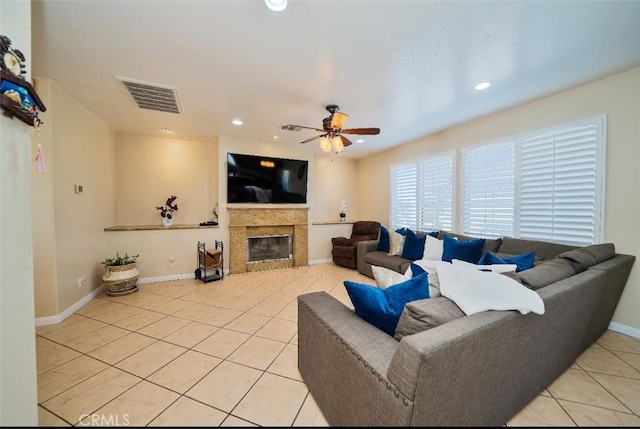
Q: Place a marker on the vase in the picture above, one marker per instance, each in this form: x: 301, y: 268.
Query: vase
x: 121, y: 279
x: 343, y: 217
x: 167, y: 222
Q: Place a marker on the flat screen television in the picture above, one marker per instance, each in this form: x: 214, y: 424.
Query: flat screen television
x: 262, y: 179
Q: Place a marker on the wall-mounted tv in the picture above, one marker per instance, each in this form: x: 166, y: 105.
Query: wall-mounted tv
x: 262, y: 179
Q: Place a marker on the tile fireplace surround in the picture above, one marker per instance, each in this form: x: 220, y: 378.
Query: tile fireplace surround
x: 258, y: 222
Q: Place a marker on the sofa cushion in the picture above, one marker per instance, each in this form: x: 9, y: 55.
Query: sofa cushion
x: 424, y: 314
x: 544, y: 250
x: 383, y: 242
x: 383, y: 307
x: 490, y: 244
x: 396, y: 243
x: 547, y: 272
x: 382, y: 259
x: 523, y: 262
x: 585, y: 257
x: 413, y: 247
x: 470, y: 250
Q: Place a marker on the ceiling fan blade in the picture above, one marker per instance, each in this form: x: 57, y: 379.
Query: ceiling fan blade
x: 313, y: 138
x: 345, y: 141
x: 338, y: 120
x: 294, y: 128
x: 361, y: 131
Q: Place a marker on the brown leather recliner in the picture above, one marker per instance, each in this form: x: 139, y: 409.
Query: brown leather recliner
x: 345, y: 249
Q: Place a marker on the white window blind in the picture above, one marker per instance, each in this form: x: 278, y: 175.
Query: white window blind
x: 561, y: 183
x: 488, y: 187
x: 422, y: 193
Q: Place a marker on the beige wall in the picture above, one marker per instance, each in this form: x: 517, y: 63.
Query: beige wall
x: 151, y: 169
x: 18, y: 387
x: 80, y: 150
x: 618, y: 97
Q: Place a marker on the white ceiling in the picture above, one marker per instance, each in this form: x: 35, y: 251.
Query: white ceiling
x: 407, y: 67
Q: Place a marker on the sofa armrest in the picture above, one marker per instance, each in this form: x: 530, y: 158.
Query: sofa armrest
x: 340, y: 241
x: 344, y: 360
x: 364, y: 247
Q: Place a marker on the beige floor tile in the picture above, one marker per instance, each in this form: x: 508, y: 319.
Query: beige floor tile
x: 186, y: 370
x: 243, y: 303
x: 91, y: 394
x: 67, y: 375
x: 99, y: 338
x: 71, y: 320
x: 602, y: 360
x: 286, y: 364
x: 545, y: 392
x: 163, y: 327
x: 290, y: 312
x: 122, y: 348
x: 142, y: 299
x: 268, y: 307
x: 233, y: 421
x: 140, y: 404
x: 587, y: 415
x: 222, y: 343
x: 191, y: 334
x: 257, y: 352
x: 248, y: 323
x: 150, y: 359
x: 46, y: 418
x: 625, y: 389
x: 194, y: 312
x: 216, y: 299
x: 279, y: 330
x: 50, y: 355
x: 576, y: 385
x: 272, y: 401
x: 619, y: 342
x: 220, y: 316
x: 187, y: 412
x: 172, y: 306
x: 76, y: 330
x: 632, y: 359
x: 542, y: 411
x: 310, y: 414
x: 225, y: 385
x: 167, y: 289
x: 294, y: 340
x: 139, y: 320
x: 107, y: 311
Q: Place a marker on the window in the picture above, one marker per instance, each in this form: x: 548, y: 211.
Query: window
x: 422, y: 193
x: 544, y: 185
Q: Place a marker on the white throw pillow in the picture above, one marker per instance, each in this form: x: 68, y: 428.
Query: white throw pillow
x: 433, y: 249
x: 396, y: 243
x: 476, y: 291
x: 385, y: 277
x: 432, y: 275
x: 496, y: 268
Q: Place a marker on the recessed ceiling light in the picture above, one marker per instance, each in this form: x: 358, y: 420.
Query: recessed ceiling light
x: 482, y: 85
x: 236, y: 122
x: 276, y: 5
x: 275, y: 137
x: 359, y: 141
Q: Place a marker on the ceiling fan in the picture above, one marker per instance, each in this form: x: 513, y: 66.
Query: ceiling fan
x: 332, y: 132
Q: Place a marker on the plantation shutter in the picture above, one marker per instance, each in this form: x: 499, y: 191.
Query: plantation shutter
x: 561, y: 183
x: 488, y: 187
x: 436, y: 193
x: 404, y: 195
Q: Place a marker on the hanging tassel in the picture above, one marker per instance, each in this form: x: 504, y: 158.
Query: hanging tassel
x: 36, y: 137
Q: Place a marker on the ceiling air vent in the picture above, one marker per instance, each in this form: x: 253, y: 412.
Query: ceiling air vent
x: 290, y: 127
x: 152, y: 96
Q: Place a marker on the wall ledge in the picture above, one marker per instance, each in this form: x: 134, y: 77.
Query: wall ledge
x: 158, y: 227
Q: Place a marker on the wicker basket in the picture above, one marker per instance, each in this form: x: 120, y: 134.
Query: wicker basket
x: 121, y: 279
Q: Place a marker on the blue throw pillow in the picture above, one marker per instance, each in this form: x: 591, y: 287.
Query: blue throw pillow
x: 413, y: 245
x: 383, y: 307
x: 383, y: 243
x: 523, y: 262
x: 470, y: 250
x: 416, y: 270
x: 402, y: 231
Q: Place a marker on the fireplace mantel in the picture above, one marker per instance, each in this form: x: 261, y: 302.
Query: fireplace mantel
x: 253, y: 222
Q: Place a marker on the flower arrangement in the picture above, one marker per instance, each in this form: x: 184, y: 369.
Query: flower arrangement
x: 119, y: 260
x: 168, y: 208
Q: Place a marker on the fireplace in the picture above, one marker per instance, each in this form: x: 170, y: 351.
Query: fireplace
x: 269, y: 248
x: 255, y: 223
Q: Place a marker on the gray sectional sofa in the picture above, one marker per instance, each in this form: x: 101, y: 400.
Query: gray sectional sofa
x: 475, y: 370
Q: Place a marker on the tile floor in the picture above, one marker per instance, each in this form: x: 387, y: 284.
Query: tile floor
x: 224, y: 353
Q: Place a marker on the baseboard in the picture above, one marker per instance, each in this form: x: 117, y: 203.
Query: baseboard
x: 52, y: 320
x: 320, y: 261
x: 170, y: 278
x: 624, y: 329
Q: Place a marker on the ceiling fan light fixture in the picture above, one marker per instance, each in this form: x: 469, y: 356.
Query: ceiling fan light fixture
x: 337, y: 144
x: 325, y: 145
x: 276, y: 5
x: 482, y: 85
